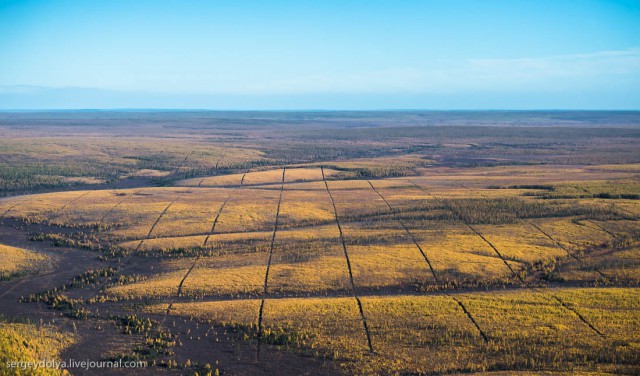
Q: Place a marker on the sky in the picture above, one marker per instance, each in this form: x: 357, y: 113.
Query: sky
x: 289, y: 55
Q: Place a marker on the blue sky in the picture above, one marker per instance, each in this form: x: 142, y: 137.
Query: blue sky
x: 234, y: 54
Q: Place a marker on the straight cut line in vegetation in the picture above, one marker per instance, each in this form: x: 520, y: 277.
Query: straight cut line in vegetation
x: 634, y: 215
x: 582, y: 318
x: 557, y: 243
x: 435, y: 277
x: 193, y: 265
x: 473, y: 321
x: 215, y: 220
x: 406, y: 229
x: 346, y: 256
x: 154, y: 226
x: 563, y: 247
x: 266, y: 275
x: 562, y: 304
x: 594, y: 195
x: 113, y: 208
x: 10, y: 208
x: 602, y: 228
x: 204, y: 244
x: 61, y: 209
x: 184, y: 163
x: 203, y: 179
x: 459, y: 216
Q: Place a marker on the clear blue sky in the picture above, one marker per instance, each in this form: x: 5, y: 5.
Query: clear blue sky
x: 235, y: 54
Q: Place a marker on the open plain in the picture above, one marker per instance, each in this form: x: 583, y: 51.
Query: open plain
x: 322, y: 242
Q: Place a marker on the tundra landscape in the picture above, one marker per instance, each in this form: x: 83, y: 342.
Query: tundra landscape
x: 327, y: 242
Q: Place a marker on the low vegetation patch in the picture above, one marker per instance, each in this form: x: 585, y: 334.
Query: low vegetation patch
x: 17, y: 262
x: 23, y: 342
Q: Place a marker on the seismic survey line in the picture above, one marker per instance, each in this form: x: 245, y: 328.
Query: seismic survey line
x: 266, y: 275
x: 415, y: 241
x: 346, y: 255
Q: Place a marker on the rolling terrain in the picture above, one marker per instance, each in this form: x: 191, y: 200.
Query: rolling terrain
x: 323, y: 243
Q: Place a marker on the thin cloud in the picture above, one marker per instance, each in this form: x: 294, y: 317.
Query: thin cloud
x: 593, y: 71
x: 551, y: 72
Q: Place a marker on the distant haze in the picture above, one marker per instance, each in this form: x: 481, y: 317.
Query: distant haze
x: 235, y: 54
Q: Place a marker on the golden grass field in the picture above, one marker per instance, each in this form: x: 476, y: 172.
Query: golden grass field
x: 522, y: 326
x: 22, y: 342
x: 17, y: 261
x: 455, y: 270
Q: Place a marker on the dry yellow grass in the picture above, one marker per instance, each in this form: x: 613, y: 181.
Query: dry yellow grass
x: 303, y: 265
x: 232, y: 241
x: 201, y: 282
x: 571, y: 235
x: 192, y: 214
x: 520, y: 243
x: 213, y: 181
x: 517, y: 323
x: 333, y: 324
x: 526, y: 322
x: 400, y: 194
x: 380, y: 164
x: 253, y: 210
x: 7, y: 205
x: 631, y: 207
x: 300, y: 186
x: 457, y: 252
x: 612, y: 310
x: 263, y: 177
x: 598, y: 187
x: 625, y: 167
x: 89, y: 209
x: 388, y: 265
x: 125, y: 214
x: 163, y: 284
x: 412, y: 333
x: 16, y: 261
x: 328, y: 326
x: 232, y: 312
x: 300, y: 263
x: 166, y: 243
x: 305, y: 207
x: 338, y: 185
x: 324, y: 274
x: 438, y: 176
x: 620, y: 266
x: 618, y: 228
x: 355, y: 197
x: 40, y: 207
x: 137, y: 220
x: 145, y: 172
x: 212, y: 276
x: 162, y: 281
x: 225, y: 281
x: 305, y: 174
x: 405, y: 328
x: 21, y: 342
x: 390, y: 185
x: 326, y: 232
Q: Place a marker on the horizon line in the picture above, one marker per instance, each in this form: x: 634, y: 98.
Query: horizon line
x: 158, y: 109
